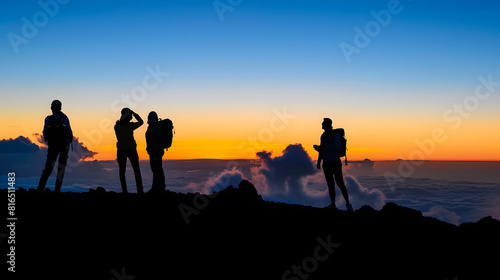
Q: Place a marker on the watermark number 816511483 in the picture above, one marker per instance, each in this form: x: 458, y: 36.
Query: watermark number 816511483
x: 11, y: 221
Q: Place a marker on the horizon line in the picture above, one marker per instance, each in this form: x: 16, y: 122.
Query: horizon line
x: 349, y: 161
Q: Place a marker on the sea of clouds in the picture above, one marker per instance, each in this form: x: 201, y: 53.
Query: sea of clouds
x: 291, y: 177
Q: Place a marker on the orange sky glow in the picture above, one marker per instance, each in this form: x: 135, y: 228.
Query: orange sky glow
x: 219, y: 137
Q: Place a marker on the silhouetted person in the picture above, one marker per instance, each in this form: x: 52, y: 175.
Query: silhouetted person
x: 332, y: 166
x: 58, y: 135
x: 155, y: 151
x: 127, y: 147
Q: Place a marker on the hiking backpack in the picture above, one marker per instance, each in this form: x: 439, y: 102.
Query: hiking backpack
x: 56, y: 131
x: 343, y: 143
x: 167, y: 133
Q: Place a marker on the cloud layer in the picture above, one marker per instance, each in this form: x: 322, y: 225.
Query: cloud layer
x: 282, y: 177
x: 290, y: 177
x: 24, y: 157
x: 20, y: 145
x: 359, y: 195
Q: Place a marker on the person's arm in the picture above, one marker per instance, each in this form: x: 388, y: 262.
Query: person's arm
x: 148, y: 140
x: 70, y: 131
x: 320, y: 158
x: 139, y: 122
x: 320, y: 153
x: 45, y: 123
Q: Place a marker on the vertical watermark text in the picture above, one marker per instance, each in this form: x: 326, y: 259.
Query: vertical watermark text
x: 11, y: 221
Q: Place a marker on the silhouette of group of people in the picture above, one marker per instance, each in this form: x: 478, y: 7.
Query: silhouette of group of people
x: 58, y: 135
x: 127, y: 148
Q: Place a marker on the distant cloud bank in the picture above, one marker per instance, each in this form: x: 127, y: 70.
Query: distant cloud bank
x: 290, y: 177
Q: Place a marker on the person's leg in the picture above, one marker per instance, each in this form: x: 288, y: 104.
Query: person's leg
x: 152, y: 158
x: 161, y: 174
x: 155, y: 161
x: 49, y: 166
x: 61, y: 167
x: 134, y: 160
x: 339, y: 179
x: 328, y: 171
x: 121, y: 157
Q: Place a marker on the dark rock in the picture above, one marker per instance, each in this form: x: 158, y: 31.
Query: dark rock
x: 248, y: 189
x: 231, y: 234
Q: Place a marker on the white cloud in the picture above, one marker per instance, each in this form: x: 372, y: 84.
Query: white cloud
x: 359, y: 195
x: 291, y: 177
x: 442, y: 214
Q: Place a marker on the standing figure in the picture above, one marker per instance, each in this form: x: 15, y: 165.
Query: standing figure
x: 127, y: 147
x: 58, y: 135
x: 155, y: 151
x: 332, y: 166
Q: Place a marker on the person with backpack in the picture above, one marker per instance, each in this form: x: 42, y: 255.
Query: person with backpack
x: 154, y: 147
x: 329, y: 152
x: 58, y: 135
x: 127, y: 147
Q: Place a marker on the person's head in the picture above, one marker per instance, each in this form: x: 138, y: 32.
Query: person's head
x: 152, y: 117
x: 56, y: 106
x: 327, y: 124
x: 126, y: 115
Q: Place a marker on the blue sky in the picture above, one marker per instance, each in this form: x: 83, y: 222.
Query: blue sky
x: 258, y: 40
x: 263, y: 53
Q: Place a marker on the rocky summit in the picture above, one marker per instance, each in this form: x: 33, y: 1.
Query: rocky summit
x: 234, y: 234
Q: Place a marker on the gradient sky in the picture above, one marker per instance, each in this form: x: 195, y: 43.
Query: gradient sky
x: 228, y: 76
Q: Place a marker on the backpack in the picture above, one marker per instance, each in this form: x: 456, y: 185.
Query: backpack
x: 167, y: 133
x: 56, y: 131
x: 343, y: 143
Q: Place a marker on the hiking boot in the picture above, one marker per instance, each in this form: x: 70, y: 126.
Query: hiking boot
x: 349, y: 207
x: 331, y: 206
